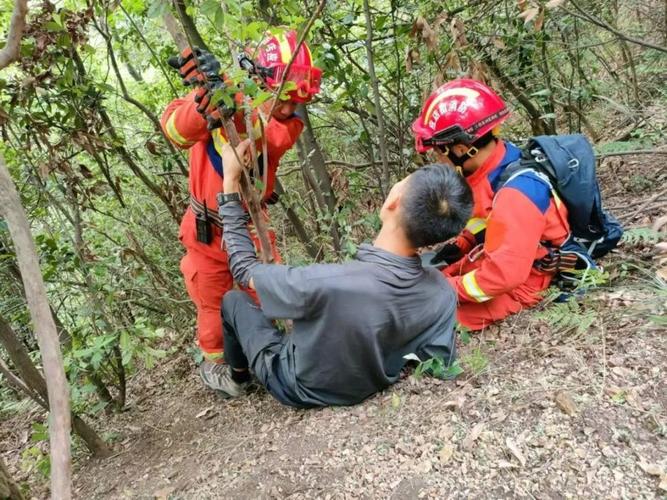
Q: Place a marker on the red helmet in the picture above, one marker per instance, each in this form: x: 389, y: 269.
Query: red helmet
x: 275, y: 54
x: 462, y: 110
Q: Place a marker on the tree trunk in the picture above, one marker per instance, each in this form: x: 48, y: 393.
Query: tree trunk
x: 8, y: 488
x: 377, y: 99
x: 537, y: 124
x: 47, y: 335
x: 298, y: 226
x: 318, y: 176
x: 189, y: 25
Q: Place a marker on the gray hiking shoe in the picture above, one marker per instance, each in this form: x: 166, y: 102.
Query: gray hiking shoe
x: 219, y: 378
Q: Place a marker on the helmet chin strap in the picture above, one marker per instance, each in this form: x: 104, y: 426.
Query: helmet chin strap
x: 458, y: 161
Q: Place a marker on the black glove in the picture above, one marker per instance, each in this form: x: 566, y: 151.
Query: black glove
x: 449, y: 253
x: 196, y: 66
x: 214, y: 112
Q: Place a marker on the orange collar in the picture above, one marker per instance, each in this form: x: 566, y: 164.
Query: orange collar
x: 491, y: 163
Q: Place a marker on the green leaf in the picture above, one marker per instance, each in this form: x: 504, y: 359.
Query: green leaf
x: 453, y: 371
x: 40, y: 432
x: 210, y: 8
x: 157, y: 8
x: 261, y: 98
x: 134, y: 6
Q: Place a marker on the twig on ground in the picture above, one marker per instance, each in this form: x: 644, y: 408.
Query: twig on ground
x: 604, y: 360
x: 644, y: 205
x: 633, y: 152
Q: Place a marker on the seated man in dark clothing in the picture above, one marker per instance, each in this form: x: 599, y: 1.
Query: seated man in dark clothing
x: 354, y: 323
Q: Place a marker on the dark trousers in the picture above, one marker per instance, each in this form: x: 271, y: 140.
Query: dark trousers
x: 251, y: 341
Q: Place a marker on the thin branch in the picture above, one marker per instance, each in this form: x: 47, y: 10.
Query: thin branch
x: 606, y: 26
x: 633, y: 152
x: 19, y: 385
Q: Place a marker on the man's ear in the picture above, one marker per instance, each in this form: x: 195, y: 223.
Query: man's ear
x: 393, y: 200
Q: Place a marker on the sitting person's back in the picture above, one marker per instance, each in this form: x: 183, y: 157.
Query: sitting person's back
x: 354, y: 323
x: 358, y: 322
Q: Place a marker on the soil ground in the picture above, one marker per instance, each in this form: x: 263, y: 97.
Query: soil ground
x: 543, y: 410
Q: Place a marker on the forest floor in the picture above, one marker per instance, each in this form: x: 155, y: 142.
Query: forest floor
x: 544, y: 409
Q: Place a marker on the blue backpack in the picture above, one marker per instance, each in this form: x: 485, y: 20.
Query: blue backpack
x: 567, y: 164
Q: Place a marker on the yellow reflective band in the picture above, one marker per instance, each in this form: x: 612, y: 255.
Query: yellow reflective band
x: 213, y: 356
x: 476, y: 225
x: 257, y: 129
x: 310, y: 56
x: 448, y: 93
x: 472, y: 288
x: 219, y: 140
x: 285, y: 49
x: 173, y: 133
x: 556, y: 199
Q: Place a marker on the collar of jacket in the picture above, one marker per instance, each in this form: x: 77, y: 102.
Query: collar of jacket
x: 369, y: 253
x: 489, y: 165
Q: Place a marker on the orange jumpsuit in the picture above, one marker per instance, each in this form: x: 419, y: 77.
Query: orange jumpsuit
x: 204, y: 266
x: 510, y: 230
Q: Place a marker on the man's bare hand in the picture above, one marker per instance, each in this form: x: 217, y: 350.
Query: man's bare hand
x: 234, y: 160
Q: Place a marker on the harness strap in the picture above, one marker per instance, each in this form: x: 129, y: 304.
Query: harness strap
x: 210, y: 213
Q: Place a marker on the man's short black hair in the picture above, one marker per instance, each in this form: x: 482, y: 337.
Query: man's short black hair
x: 436, y: 205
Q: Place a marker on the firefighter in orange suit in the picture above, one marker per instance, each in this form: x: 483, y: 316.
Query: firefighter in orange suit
x: 188, y: 122
x: 499, y: 264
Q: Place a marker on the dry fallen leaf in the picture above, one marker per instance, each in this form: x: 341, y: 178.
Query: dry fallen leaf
x: 565, y: 403
x: 651, y: 469
x: 554, y: 4
x: 455, y: 403
x: 446, y: 453
x: 470, y: 439
x: 426, y: 33
x: 539, y: 21
x: 663, y: 483
x: 514, y: 449
x: 204, y: 413
x: 446, y: 432
x: 163, y: 493
x: 529, y: 14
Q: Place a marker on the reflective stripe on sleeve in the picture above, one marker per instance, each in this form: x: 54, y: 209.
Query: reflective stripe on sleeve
x: 476, y: 225
x: 219, y: 140
x: 174, y: 134
x: 472, y: 288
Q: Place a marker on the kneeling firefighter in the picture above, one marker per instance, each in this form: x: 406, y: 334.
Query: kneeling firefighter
x: 499, y: 264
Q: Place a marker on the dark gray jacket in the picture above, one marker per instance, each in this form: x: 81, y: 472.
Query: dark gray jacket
x: 354, y: 323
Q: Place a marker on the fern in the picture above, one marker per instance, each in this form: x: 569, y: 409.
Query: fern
x: 637, y: 236
x: 567, y: 316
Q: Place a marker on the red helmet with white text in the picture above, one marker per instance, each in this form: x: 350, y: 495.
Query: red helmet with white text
x: 460, y: 111
x: 276, y: 52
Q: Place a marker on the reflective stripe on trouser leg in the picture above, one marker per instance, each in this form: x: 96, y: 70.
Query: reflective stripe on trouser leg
x: 473, y: 289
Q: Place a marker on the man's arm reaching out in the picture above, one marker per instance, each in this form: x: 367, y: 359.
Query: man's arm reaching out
x: 240, y: 249
x: 285, y: 291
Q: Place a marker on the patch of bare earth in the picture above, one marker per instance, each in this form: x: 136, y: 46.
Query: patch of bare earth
x: 555, y: 413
